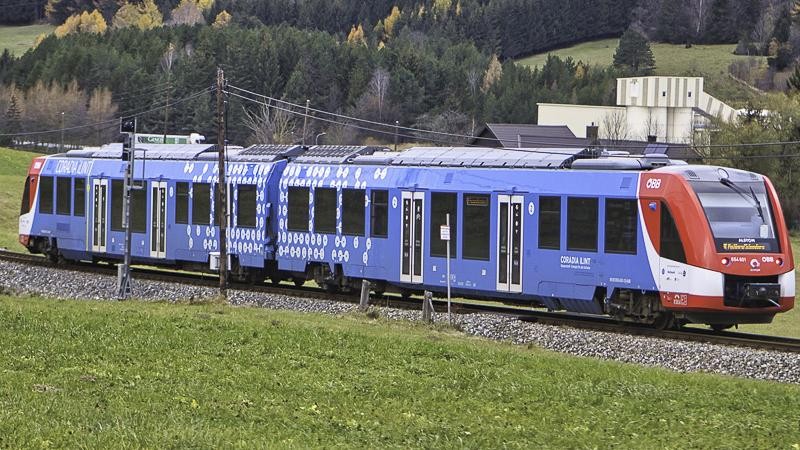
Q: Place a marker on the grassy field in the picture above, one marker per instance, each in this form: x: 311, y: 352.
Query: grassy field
x: 710, y: 61
x: 14, y: 166
x: 95, y: 374
x: 19, y: 39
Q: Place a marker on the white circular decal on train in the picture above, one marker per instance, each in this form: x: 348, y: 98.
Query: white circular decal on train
x: 531, y: 208
x: 394, y: 202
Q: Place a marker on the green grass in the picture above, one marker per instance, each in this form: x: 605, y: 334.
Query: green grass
x: 104, y: 374
x: 709, y: 61
x: 14, y: 166
x: 18, y: 39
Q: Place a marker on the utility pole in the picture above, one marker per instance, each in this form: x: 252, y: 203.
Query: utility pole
x: 222, y: 189
x: 305, y: 121
x: 128, y: 128
x: 166, y: 63
x: 62, y: 131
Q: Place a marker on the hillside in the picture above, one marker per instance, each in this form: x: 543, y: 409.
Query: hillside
x: 709, y: 61
x: 18, y: 39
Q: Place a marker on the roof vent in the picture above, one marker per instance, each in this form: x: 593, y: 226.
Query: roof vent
x: 692, y: 174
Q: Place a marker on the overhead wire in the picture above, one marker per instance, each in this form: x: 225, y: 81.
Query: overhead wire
x: 463, y: 136
x: 390, y: 127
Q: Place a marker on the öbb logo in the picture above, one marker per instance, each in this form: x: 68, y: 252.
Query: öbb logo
x: 653, y: 183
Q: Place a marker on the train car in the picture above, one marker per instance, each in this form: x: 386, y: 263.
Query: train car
x: 640, y: 239
x: 643, y: 239
x: 72, y: 205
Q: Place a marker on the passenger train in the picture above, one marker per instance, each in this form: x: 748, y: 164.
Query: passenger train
x: 643, y: 239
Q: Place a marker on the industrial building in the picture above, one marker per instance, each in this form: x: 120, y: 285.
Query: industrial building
x: 672, y: 109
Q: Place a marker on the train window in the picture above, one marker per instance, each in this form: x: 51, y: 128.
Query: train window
x: 477, y: 217
x: 671, y: 245
x: 25, y: 207
x: 325, y: 210
x: 63, y: 196
x: 79, y: 194
x: 46, y: 195
x: 246, y: 206
x: 621, y: 220
x: 550, y: 222
x: 442, y: 204
x: 201, y: 203
x: 116, y: 205
x: 582, y: 224
x: 379, y: 214
x: 182, y: 202
x: 298, y: 209
x: 353, y: 211
x: 139, y: 208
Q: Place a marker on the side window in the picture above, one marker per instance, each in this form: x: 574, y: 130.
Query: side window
x: 353, y: 212
x: 379, y: 214
x: 477, y: 217
x: 139, y: 208
x: 582, y: 224
x: 297, y: 219
x: 201, y: 203
x: 246, y: 206
x: 671, y: 245
x: 80, y: 197
x: 117, y: 198
x: 25, y: 207
x: 441, y: 205
x: 63, y: 196
x: 182, y: 202
x: 621, y: 220
x: 324, y: 210
x: 46, y: 195
x: 550, y: 222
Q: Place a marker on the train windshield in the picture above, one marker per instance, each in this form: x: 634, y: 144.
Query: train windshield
x: 740, y: 215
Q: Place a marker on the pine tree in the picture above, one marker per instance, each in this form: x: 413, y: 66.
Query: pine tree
x: 673, y: 22
x: 721, y: 25
x: 793, y: 83
x: 13, y: 115
x: 634, y: 52
x: 783, y: 25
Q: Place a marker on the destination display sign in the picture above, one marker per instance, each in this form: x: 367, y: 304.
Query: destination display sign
x: 745, y: 245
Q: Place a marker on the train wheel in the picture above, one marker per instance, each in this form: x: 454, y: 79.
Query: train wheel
x: 298, y: 281
x: 664, y: 321
x: 720, y: 326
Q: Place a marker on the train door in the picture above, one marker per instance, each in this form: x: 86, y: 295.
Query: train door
x: 412, y: 237
x: 158, y: 219
x: 509, y: 243
x: 99, y: 215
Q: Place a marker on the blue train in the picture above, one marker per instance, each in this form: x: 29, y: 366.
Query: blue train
x: 640, y: 238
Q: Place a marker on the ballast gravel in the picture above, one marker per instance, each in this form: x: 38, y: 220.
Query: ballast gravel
x: 675, y: 355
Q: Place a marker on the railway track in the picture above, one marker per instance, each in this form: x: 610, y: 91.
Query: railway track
x: 596, y: 323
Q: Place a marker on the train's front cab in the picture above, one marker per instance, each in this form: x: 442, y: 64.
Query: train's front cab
x: 27, y: 208
x: 718, y: 245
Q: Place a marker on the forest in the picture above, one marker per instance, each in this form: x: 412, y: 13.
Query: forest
x: 412, y: 78
x: 439, y: 65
